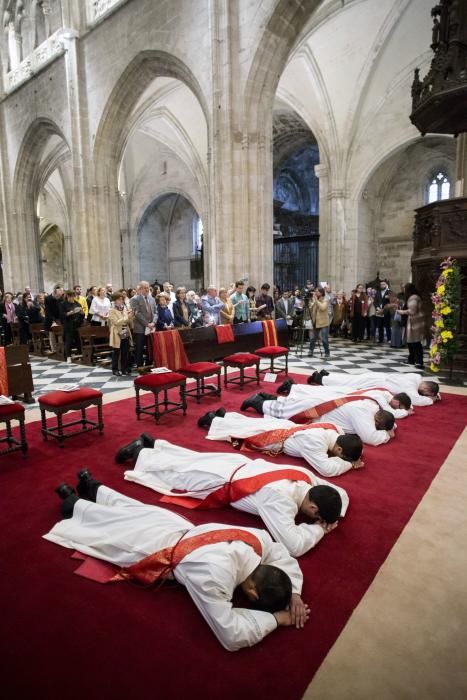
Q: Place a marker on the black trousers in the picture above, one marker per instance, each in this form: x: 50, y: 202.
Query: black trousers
x: 141, y: 344
x: 383, y: 323
x: 71, y: 340
x: 415, y: 353
x: 358, y: 327
x: 122, y: 353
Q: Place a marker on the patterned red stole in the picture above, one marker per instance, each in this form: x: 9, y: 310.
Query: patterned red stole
x: 317, y: 411
x: 232, y: 491
x: 269, y: 333
x: 275, y: 439
x: 166, y: 347
x: 161, y: 563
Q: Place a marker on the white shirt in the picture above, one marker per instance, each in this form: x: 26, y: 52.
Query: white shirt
x: 311, y: 445
x: 123, y: 531
x: 99, y: 306
x: 355, y: 417
x: 168, y: 467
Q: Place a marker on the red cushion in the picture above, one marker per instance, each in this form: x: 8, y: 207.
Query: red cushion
x: 241, y: 358
x: 200, y: 368
x: 63, y: 398
x: 273, y: 350
x: 153, y: 381
x: 10, y: 409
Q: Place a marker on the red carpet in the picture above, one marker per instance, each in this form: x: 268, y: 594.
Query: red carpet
x: 65, y: 636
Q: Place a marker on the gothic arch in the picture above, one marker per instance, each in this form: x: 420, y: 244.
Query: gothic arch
x: 115, y: 123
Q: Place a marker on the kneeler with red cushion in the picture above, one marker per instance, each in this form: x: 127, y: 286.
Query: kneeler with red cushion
x: 272, y: 349
x: 168, y: 351
x: 60, y: 402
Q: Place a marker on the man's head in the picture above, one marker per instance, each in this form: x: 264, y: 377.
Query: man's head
x: 265, y: 288
x: 211, y: 291
x: 384, y: 420
x: 286, y: 294
x: 239, y: 286
x: 77, y: 290
x: 383, y: 285
x: 166, y: 287
x: 58, y: 291
x: 322, y: 503
x: 401, y: 400
x: 144, y: 288
x: 268, y: 588
x: 109, y: 287
x: 348, y: 447
x: 427, y: 388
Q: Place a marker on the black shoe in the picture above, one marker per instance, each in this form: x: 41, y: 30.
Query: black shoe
x: 148, y: 440
x: 117, y: 373
x: 206, y: 420
x: 64, y: 490
x: 284, y: 388
x: 130, y: 451
x: 87, y: 485
x: 266, y: 396
x: 419, y: 366
x: 256, y: 401
x: 220, y: 413
x: 315, y: 378
x: 68, y: 505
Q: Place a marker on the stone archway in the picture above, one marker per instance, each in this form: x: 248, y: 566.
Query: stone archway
x: 170, y: 242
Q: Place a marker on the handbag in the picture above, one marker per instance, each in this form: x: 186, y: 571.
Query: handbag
x: 123, y: 333
x: 397, y: 317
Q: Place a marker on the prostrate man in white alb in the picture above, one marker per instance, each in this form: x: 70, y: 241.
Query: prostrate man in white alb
x: 327, y: 449
x: 358, y: 414
x: 276, y: 493
x: 422, y: 392
x: 210, y: 560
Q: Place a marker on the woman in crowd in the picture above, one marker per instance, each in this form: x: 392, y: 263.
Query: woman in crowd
x: 195, y: 311
x: 90, y: 294
x: 23, y: 315
x: 120, y: 338
x: 125, y: 297
x: 320, y: 317
x: 180, y: 309
x: 339, y: 315
x: 250, y: 292
x: 415, y: 329
x: 100, y: 307
x: 358, y: 313
x: 227, y: 312
x: 72, y: 318
x: 40, y: 304
x: 371, y: 314
x: 165, y: 320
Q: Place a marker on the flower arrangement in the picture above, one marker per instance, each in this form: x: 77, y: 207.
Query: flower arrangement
x: 446, y: 302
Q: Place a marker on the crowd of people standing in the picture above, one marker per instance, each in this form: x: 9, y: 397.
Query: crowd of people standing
x: 375, y: 314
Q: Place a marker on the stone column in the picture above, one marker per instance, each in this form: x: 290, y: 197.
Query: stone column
x: 321, y: 172
x: 460, y: 189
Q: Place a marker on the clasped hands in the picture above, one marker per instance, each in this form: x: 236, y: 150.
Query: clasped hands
x: 295, y: 615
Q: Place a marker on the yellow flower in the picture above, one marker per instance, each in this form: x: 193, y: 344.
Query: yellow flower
x: 447, y: 310
x: 441, y: 289
x: 434, y: 368
x: 448, y: 271
x: 446, y: 335
x: 440, y: 323
x: 434, y: 349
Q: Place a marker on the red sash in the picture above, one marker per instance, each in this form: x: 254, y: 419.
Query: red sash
x: 269, y: 333
x: 161, y: 563
x: 317, y: 411
x: 232, y: 491
x: 276, y: 437
x: 166, y: 348
x: 3, y: 374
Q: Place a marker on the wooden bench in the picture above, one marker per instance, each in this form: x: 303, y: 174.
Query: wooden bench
x: 95, y: 345
x: 19, y: 372
x: 59, y: 353
x: 40, y: 339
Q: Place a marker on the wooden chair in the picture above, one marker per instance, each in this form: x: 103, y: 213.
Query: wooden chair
x: 271, y: 349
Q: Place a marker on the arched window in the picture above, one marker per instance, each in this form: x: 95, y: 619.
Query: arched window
x: 439, y: 187
x: 197, y: 236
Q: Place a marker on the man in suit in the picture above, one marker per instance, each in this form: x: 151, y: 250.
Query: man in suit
x: 383, y: 319
x: 285, y: 306
x: 144, y: 308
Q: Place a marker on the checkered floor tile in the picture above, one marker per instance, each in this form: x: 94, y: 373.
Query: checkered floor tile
x: 346, y: 357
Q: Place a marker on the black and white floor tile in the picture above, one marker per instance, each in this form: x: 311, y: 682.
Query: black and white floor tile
x: 347, y: 357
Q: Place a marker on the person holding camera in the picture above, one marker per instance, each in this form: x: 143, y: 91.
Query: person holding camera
x: 320, y: 318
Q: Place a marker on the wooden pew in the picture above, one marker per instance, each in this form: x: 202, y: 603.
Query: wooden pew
x: 19, y: 372
x: 59, y: 353
x: 40, y: 339
x: 95, y: 344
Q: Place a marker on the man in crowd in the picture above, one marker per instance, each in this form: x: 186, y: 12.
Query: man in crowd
x: 80, y: 299
x: 360, y: 415
x: 265, y: 301
x: 383, y: 319
x: 422, y: 392
x: 323, y: 445
x: 211, y: 305
x: 240, y: 302
x: 276, y: 493
x: 109, y: 290
x: 210, y: 560
x: 53, y: 313
x: 285, y: 307
x: 144, y: 309
x: 169, y: 289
